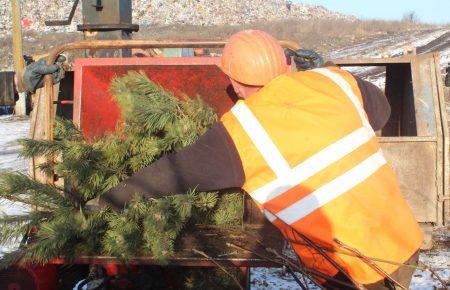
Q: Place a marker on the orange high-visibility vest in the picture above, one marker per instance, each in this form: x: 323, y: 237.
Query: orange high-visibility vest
x: 313, y: 165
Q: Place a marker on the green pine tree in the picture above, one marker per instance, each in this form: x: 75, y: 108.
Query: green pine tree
x: 154, y: 123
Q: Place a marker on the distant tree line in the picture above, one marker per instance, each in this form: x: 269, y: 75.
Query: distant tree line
x: 410, y: 17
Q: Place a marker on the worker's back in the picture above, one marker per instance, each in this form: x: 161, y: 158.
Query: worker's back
x: 313, y: 163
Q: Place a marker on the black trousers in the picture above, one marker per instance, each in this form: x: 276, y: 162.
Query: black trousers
x: 403, y: 275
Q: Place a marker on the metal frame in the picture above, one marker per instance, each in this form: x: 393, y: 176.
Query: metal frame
x: 184, y: 262
x: 67, y: 21
x: 146, y: 61
x: 441, y: 137
x: 436, y: 88
x: 49, y: 92
x: 444, y: 149
x: 118, y: 44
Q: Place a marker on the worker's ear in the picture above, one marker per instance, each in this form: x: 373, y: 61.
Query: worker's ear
x: 243, y: 90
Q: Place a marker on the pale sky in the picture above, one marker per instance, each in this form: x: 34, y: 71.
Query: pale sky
x: 429, y: 11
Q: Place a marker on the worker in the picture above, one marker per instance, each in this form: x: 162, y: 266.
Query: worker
x: 303, y: 146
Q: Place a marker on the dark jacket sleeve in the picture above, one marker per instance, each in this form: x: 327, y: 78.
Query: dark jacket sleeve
x: 212, y: 163
x: 375, y: 102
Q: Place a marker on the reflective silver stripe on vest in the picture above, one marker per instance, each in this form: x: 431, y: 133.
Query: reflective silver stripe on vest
x: 347, y: 88
x: 332, y: 189
x: 260, y: 138
x: 312, y: 165
x: 269, y: 215
x: 289, y: 178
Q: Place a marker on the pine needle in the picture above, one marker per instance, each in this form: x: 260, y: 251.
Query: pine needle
x: 154, y: 123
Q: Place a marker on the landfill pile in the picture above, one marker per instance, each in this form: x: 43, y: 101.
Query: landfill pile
x: 168, y: 12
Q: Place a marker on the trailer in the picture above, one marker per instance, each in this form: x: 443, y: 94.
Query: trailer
x: 414, y: 141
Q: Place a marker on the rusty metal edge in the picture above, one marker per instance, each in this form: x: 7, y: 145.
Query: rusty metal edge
x: 407, y: 139
x: 416, y: 62
x: 120, y: 44
x: 439, y: 135
x: 115, y: 44
x: 370, y: 61
x: 197, y: 262
x: 443, y: 144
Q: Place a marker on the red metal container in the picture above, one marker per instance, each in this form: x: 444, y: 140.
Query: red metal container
x: 97, y: 113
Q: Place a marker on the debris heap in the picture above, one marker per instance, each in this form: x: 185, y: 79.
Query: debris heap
x: 163, y: 12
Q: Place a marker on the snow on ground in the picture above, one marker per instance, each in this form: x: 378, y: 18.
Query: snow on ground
x: 429, y: 38
x: 274, y: 278
x: 438, y: 260
x: 425, y: 41
x: 11, y: 129
x: 388, y: 46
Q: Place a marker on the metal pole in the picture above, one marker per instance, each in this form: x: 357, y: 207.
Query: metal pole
x: 20, y: 107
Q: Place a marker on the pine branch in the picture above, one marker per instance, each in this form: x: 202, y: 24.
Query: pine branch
x: 206, y: 200
x: 66, y: 130
x: 39, y: 148
x: 155, y: 122
x: 11, y: 233
x: 56, y: 237
x: 47, y: 168
x: 229, y: 210
x: 184, y: 204
x: 11, y: 258
x: 18, y: 186
x: 14, y: 227
x: 25, y: 201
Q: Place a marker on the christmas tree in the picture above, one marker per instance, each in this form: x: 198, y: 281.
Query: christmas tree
x: 62, y: 224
